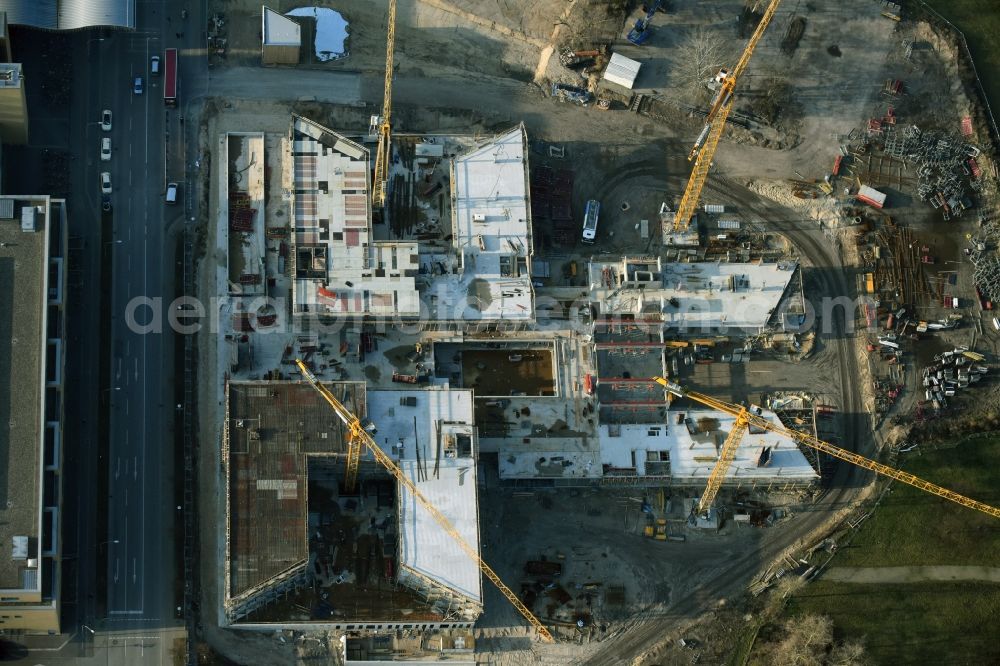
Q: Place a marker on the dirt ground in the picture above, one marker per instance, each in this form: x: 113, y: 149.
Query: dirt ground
x: 493, y: 373
x: 506, y: 38
x: 597, y: 537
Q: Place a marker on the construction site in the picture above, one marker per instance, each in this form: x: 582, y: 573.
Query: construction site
x: 543, y: 369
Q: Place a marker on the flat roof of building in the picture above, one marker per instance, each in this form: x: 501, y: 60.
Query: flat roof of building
x: 424, y: 546
x: 280, y: 30
x: 700, y: 297
x: 693, y: 446
x: 23, y: 314
x: 272, y: 427
x: 440, y: 424
x: 491, y: 225
x: 550, y: 458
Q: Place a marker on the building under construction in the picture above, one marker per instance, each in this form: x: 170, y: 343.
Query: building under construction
x: 303, y: 553
x: 465, y: 263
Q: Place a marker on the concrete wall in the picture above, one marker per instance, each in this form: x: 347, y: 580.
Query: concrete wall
x: 280, y: 54
x: 13, y: 116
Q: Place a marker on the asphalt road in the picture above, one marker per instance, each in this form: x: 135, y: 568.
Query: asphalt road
x: 135, y: 623
x: 141, y: 570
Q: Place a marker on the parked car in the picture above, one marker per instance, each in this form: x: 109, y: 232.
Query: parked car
x: 137, y: 85
x: 105, y: 182
x: 106, y: 120
x: 172, y: 193
x: 105, y: 149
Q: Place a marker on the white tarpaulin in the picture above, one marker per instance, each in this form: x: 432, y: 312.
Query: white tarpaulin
x: 622, y: 70
x: 331, y: 31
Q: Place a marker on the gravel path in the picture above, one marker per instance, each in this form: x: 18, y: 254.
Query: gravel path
x: 923, y: 574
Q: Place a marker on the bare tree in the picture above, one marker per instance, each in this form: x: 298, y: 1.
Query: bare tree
x: 806, y: 640
x: 702, y: 53
x: 848, y: 653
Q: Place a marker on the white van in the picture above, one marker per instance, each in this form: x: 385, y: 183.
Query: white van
x: 172, y: 193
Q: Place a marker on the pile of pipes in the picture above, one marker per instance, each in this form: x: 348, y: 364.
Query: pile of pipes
x: 951, y: 372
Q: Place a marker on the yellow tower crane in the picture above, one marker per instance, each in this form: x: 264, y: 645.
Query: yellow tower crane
x: 384, y: 121
x: 745, y: 419
x: 704, y: 147
x: 357, y: 433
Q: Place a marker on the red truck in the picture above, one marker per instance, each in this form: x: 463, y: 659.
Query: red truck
x: 170, y: 78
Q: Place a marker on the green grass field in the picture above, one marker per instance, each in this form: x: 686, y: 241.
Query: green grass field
x: 942, y: 623
x: 931, y: 623
x: 979, y: 20
x: 914, y: 527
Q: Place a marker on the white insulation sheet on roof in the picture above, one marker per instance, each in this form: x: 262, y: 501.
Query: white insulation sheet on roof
x: 424, y: 546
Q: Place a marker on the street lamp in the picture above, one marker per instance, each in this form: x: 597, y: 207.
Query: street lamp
x: 102, y: 545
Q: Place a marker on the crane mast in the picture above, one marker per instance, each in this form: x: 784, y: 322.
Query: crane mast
x: 358, y: 433
x: 385, y: 121
x: 708, y: 140
x: 749, y: 419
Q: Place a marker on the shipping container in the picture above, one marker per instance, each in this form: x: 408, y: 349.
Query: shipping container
x: 871, y: 196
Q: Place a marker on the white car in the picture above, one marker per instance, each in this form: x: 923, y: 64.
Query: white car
x: 105, y: 182
x: 172, y: 193
x: 106, y: 149
x: 106, y: 120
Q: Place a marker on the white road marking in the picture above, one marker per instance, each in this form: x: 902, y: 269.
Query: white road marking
x: 142, y: 448
x: 147, y: 110
x: 116, y: 569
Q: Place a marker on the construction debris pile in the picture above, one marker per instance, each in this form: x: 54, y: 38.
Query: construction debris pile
x: 946, y: 168
x: 987, y: 278
x: 951, y: 372
x: 560, y: 606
